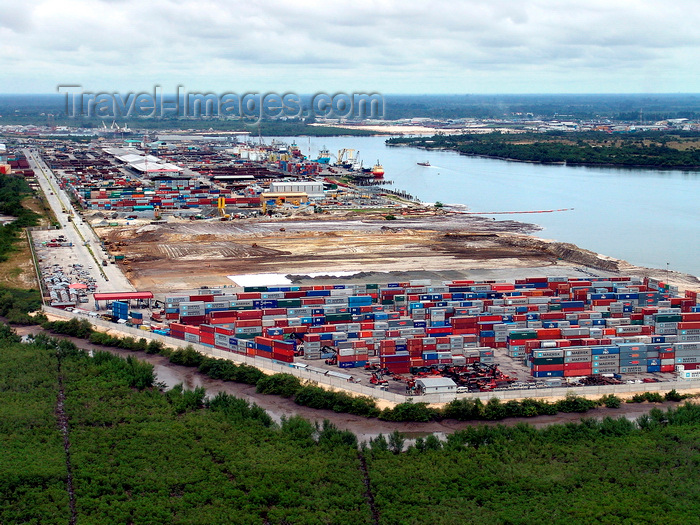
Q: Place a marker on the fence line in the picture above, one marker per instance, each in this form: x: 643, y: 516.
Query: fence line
x: 360, y: 389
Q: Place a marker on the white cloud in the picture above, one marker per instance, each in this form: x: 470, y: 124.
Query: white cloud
x: 390, y: 46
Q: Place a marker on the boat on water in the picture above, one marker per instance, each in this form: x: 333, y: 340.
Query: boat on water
x: 324, y: 156
x: 426, y: 163
x: 378, y: 171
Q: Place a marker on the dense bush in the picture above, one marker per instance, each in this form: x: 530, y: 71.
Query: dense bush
x: 574, y: 403
x: 611, y: 401
x: 237, y: 410
x: 313, y: 396
x: 16, y: 304
x: 285, y: 385
x: 651, y: 397
x: 673, y: 395
x: 410, y: 411
x: 75, y: 328
x: 145, y: 456
x: 187, y: 356
x: 12, y: 191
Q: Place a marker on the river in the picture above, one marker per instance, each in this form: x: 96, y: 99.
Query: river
x: 365, y: 429
x: 646, y: 217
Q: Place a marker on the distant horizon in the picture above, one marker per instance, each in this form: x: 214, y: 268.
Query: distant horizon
x: 394, y: 94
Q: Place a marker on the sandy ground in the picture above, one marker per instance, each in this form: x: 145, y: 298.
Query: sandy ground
x: 185, y: 255
x: 412, y: 130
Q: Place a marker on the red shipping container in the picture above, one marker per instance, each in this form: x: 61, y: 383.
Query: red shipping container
x: 577, y: 372
x: 547, y: 368
x: 248, y: 295
x: 548, y: 333
x: 248, y: 323
x: 250, y: 314
x: 311, y: 301
x: 228, y: 313
x: 578, y: 366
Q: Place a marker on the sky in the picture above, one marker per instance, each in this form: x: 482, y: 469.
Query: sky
x: 357, y: 46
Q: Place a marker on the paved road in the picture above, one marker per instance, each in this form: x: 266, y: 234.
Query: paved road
x: 87, y: 248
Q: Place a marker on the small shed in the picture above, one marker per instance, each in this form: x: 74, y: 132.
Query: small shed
x: 436, y: 385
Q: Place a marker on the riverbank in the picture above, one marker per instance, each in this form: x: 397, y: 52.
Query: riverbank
x: 278, y: 407
x: 663, y: 151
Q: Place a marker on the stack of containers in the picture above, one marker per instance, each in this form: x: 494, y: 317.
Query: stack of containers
x: 422, y: 324
x: 547, y: 363
x: 120, y: 310
x: 605, y: 359
x: 136, y: 318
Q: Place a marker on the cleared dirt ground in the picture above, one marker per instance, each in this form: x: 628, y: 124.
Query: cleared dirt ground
x: 189, y: 254
x: 183, y: 254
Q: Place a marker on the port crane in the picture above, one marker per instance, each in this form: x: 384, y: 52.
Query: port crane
x: 348, y: 158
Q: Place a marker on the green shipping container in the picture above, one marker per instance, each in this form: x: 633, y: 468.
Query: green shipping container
x: 338, y: 317
x: 671, y: 318
x: 548, y: 361
x: 525, y: 334
x: 247, y: 336
x: 255, y: 288
x: 289, y: 303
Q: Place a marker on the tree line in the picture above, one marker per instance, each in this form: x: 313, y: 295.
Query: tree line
x: 140, y: 454
x: 588, y: 148
x: 311, y: 395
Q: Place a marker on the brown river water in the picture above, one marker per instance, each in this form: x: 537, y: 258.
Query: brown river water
x: 277, y: 407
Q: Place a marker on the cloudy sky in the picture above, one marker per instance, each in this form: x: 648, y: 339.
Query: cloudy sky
x: 408, y: 46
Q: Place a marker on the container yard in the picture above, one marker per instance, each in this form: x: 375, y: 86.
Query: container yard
x: 197, y: 217
x: 474, y: 336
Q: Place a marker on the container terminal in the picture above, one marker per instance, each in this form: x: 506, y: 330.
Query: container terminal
x: 414, y: 337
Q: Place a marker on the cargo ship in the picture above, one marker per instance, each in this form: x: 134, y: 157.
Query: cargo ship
x: 324, y: 156
x: 378, y: 171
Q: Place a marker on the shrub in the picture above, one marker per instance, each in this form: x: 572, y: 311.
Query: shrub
x: 673, y: 395
x: 410, y: 411
x: 187, y: 356
x: 494, y: 409
x: 464, y: 409
x: 236, y: 409
x: 611, y: 401
x: 653, y: 397
x: 285, y: 385
x: 574, y: 403
x: 183, y: 400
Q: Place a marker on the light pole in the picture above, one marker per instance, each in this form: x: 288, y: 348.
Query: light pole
x: 667, y: 264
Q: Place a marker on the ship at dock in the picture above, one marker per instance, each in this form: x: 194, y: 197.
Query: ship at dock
x: 378, y: 171
x: 324, y: 156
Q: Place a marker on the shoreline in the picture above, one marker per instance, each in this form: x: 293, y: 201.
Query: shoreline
x: 554, y: 163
